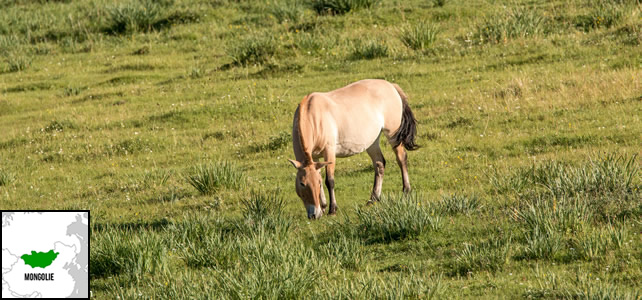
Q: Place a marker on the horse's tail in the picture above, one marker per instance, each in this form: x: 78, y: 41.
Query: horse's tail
x: 406, y: 133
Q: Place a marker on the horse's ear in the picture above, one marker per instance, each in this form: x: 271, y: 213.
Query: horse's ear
x: 319, y: 165
x: 295, y: 163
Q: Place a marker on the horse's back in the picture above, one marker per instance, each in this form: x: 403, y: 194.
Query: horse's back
x: 353, y: 116
x: 370, y: 98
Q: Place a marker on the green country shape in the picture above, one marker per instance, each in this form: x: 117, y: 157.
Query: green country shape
x: 40, y: 259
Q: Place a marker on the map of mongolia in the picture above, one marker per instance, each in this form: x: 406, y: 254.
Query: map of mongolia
x: 53, y: 262
x: 40, y: 259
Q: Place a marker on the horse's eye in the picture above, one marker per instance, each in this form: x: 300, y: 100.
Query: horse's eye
x: 302, y: 184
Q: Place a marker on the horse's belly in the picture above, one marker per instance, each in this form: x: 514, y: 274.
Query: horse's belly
x: 348, y: 145
x: 347, y: 149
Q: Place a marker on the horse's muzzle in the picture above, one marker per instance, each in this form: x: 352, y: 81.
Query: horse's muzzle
x: 313, y: 212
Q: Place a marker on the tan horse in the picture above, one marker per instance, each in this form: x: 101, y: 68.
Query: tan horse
x: 345, y: 122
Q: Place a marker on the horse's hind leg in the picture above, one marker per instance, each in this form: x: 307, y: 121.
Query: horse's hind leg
x: 402, y: 161
x: 379, y: 163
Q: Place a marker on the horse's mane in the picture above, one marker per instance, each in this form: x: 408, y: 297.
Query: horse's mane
x: 303, y: 111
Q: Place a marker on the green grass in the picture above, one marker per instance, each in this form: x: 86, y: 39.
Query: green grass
x: 340, y: 7
x: 5, y: 177
x: 369, y: 50
x: 397, y: 217
x: 171, y: 121
x: 252, y: 50
x: 208, y: 179
x: 514, y: 23
x: 459, y: 204
x: 16, y: 63
x: 287, y: 11
x: 133, y: 17
x: 420, y: 36
x: 487, y: 256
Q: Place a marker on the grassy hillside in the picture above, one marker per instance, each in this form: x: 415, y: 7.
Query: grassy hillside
x: 170, y: 120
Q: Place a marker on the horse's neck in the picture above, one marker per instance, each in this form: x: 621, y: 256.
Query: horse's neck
x: 299, y: 153
x: 303, y: 138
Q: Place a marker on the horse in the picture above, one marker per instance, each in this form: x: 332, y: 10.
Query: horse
x: 345, y: 122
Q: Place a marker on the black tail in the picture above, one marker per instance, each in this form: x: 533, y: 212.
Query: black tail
x: 406, y: 133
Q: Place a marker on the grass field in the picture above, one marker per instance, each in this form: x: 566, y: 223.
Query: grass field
x: 170, y: 120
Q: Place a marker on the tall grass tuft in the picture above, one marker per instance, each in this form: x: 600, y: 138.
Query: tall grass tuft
x: 261, y: 205
x: 458, y: 204
x: 72, y: 91
x: 345, y: 250
x: 276, y: 142
x: 419, y: 36
x: 585, y: 287
x: 395, y: 286
x: 605, y: 175
x: 201, y: 242
x: 315, y: 42
x: 617, y: 235
x: 369, y: 50
x: 207, y: 179
x: 17, y: 63
x: 117, y: 251
x: 287, y: 11
x: 581, y: 286
x: 6, y: 177
x: 542, y: 244
x: 515, y: 23
x: 486, y: 256
x: 605, y: 14
x: 594, y: 244
x: 156, y: 178
x: 396, y: 218
x: 513, y: 182
x: 547, y: 220
x: 340, y: 7
x: 269, y: 268
x: 263, y: 212
x: 133, y: 16
x: 252, y: 50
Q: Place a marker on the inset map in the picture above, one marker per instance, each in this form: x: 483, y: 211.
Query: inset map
x: 45, y: 254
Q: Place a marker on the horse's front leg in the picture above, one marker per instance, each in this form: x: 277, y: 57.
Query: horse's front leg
x: 324, y: 204
x: 329, y: 180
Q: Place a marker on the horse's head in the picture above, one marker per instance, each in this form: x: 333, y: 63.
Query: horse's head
x: 309, y: 188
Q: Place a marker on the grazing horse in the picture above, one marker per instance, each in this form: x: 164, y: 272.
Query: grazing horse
x: 345, y: 122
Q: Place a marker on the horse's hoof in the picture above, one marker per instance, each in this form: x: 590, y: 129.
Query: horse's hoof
x: 333, y: 211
